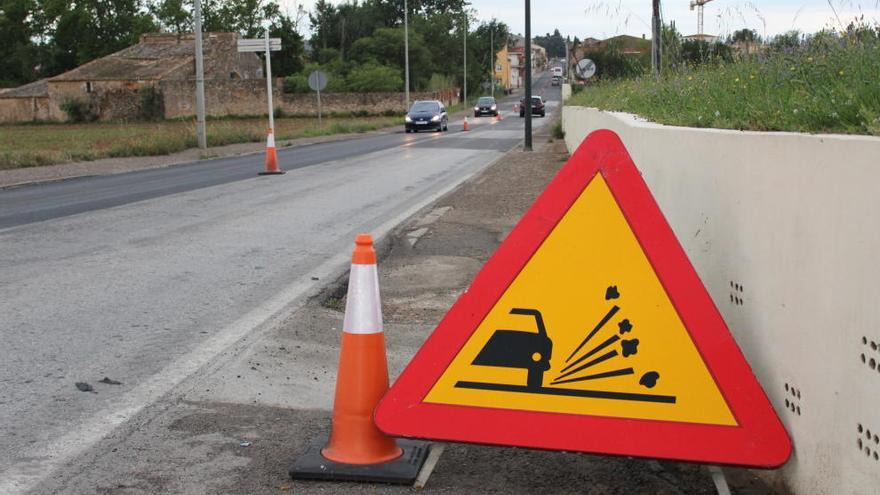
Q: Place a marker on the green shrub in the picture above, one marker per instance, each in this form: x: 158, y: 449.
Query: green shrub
x: 372, y: 77
x: 79, y: 110
x: 297, y: 83
x: 612, y: 63
x: 826, y: 83
x: 556, y: 131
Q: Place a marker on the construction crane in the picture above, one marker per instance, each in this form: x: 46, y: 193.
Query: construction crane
x: 699, y: 5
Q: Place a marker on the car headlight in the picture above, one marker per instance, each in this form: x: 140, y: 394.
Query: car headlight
x: 494, y: 107
x: 408, y: 118
x: 435, y: 118
x: 477, y: 108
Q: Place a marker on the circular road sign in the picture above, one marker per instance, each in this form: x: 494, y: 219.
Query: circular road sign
x: 317, y: 80
x: 586, y: 68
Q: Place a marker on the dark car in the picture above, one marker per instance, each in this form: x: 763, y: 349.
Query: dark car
x: 486, y: 105
x: 427, y: 115
x: 537, y: 107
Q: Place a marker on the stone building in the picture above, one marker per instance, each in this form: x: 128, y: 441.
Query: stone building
x: 111, y: 85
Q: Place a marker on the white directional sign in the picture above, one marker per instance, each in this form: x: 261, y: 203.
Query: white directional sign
x: 259, y: 45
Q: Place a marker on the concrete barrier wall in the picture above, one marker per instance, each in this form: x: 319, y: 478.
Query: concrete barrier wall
x: 793, y: 220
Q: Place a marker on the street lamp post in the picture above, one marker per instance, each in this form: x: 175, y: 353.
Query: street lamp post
x: 527, y: 98
x: 406, y: 49
x: 465, y: 59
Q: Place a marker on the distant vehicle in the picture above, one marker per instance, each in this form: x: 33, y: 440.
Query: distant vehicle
x: 557, y: 71
x: 556, y: 81
x: 537, y: 107
x: 486, y: 105
x: 427, y: 115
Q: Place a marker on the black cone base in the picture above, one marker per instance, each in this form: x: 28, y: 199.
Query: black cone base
x: 280, y: 172
x: 311, y: 465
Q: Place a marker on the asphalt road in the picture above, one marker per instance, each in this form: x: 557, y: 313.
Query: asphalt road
x: 146, y: 277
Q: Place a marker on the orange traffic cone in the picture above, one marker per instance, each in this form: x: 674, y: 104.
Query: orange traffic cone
x: 363, y: 370
x: 271, y: 157
x: 356, y: 449
x: 499, y: 117
x: 466, y: 126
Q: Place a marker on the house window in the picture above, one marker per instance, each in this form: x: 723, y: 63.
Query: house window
x: 89, y: 88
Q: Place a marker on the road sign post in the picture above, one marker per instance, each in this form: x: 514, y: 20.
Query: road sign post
x: 589, y: 331
x: 585, y: 69
x: 269, y: 84
x: 266, y: 45
x: 318, y: 81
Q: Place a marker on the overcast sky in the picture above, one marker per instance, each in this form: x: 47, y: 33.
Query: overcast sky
x: 605, y: 18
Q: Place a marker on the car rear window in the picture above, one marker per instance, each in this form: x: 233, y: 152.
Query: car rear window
x: 425, y: 106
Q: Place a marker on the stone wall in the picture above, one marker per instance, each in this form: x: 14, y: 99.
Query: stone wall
x: 24, y: 109
x: 248, y: 97
x: 113, y: 100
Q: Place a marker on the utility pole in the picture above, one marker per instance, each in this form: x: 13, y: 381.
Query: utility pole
x: 492, y: 58
x: 406, y: 49
x: 655, y: 38
x: 465, y: 59
x: 527, y: 99
x: 200, y: 78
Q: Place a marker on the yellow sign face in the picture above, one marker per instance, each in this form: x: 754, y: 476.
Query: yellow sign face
x: 586, y: 328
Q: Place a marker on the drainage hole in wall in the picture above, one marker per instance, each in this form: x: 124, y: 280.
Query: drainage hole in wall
x: 861, y: 429
x: 786, y: 389
x: 868, y: 434
x: 872, y: 363
x: 863, y: 357
x: 864, y: 340
x: 860, y: 444
x: 873, y: 345
x: 786, y: 403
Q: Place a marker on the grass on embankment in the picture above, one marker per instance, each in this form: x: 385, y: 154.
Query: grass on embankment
x: 829, y: 85
x: 36, y: 145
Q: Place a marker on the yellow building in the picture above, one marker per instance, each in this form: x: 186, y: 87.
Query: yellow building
x: 502, y: 69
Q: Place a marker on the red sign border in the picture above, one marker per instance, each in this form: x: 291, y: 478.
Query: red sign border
x: 759, y: 440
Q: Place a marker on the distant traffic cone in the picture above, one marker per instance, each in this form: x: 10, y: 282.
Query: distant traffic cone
x: 499, y: 117
x: 466, y: 126
x: 271, y: 157
x: 356, y: 449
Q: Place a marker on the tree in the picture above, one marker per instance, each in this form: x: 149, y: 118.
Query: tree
x: 553, y: 43
x: 375, y: 77
x: 88, y: 29
x: 17, y: 52
x: 172, y: 16
x: 745, y: 35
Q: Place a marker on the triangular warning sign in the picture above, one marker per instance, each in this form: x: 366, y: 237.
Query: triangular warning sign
x: 589, y: 330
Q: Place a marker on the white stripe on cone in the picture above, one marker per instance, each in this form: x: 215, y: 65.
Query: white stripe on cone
x: 363, y: 308
x: 271, y: 142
